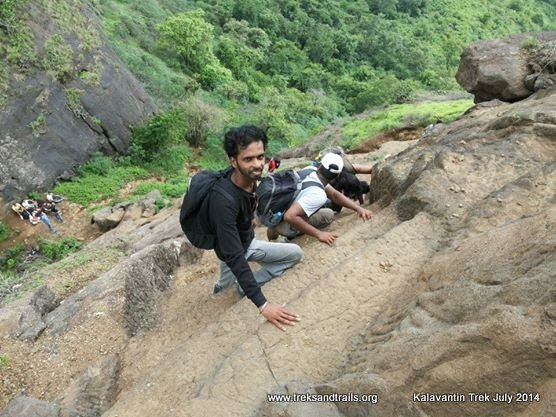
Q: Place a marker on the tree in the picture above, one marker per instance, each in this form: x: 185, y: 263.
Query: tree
x: 320, y: 46
x: 189, y: 36
x: 286, y: 59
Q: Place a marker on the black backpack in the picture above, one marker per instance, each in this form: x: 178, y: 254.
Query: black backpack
x: 277, y: 192
x: 193, y: 208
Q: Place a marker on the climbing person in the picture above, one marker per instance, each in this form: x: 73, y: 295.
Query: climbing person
x: 348, y: 165
x: 226, y: 213
x: 307, y: 213
x: 349, y: 185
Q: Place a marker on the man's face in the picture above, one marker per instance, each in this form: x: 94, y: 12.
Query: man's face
x: 250, y: 161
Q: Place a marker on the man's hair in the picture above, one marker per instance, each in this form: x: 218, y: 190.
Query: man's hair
x: 241, y: 137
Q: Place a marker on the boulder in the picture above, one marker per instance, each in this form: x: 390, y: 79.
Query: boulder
x: 108, y: 217
x: 31, y: 325
x: 43, y: 300
x: 499, y: 68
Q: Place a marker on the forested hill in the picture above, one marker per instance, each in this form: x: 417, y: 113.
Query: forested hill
x: 302, y: 63
x: 345, y: 47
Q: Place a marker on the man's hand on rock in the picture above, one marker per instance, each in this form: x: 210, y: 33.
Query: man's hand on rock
x: 327, y: 237
x: 278, y: 315
x: 364, y: 214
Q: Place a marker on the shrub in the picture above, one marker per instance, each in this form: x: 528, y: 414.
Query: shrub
x: 11, y: 257
x: 35, y: 195
x: 99, y: 164
x: 173, y: 188
x: 58, y: 57
x: 21, y: 48
x: 56, y: 250
x: 213, y: 74
x: 202, y: 120
x: 159, y: 132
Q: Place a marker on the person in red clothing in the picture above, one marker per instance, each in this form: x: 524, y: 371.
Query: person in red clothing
x: 273, y: 164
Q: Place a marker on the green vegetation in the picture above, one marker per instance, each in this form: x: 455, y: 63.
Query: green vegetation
x: 172, y: 188
x: 289, y: 66
x: 35, y: 195
x: 20, y: 53
x: 359, y: 129
x: 67, y: 268
x: 4, y: 85
x: 4, y: 361
x: 5, y: 231
x: 38, y: 126
x: 58, y: 249
x: 11, y: 259
x: 58, y: 58
x: 92, y: 187
x: 74, y: 99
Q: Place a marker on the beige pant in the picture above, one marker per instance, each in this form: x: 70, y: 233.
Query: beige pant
x: 320, y: 219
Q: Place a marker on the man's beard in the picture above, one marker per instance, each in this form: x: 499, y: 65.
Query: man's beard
x: 251, y: 173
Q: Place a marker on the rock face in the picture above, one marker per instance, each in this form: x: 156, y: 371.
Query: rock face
x: 499, y: 69
x: 52, y: 121
x: 93, y: 392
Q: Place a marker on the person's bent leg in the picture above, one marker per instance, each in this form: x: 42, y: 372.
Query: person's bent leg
x: 274, y: 258
x: 322, y: 218
x: 226, y: 279
x: 285, y: 229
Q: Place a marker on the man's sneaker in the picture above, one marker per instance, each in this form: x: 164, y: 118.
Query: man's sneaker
x: 272, y: 234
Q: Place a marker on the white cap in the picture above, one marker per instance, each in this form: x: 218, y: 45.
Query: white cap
x: 333, y: 163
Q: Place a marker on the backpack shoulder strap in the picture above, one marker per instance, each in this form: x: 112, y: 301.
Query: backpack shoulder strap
x: 221, y: 190
x: 311, y: 183
x: 304, y: 174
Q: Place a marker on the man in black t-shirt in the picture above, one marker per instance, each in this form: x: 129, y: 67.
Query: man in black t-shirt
x: 233, y: 221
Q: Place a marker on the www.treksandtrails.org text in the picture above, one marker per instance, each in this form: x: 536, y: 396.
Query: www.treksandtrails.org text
x: 314, y: 398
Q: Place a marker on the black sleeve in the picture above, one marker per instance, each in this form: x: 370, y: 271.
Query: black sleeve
x: 229, y: 247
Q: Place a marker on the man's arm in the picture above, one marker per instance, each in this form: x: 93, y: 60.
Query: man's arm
x: 296, y: 217
x: 230, y: 248
x: 362, y: 169
x: 338, y: 198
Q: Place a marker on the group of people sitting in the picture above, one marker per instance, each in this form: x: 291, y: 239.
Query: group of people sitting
x: 35, y: 211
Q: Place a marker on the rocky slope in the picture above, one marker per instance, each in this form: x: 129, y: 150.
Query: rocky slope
x: 65, y: 97
x: 448, y: 290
